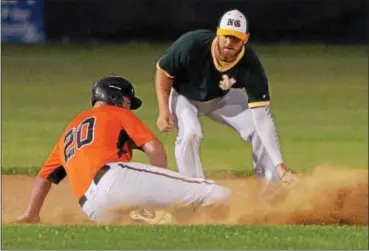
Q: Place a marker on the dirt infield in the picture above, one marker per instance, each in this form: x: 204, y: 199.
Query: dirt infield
x: 326, y: 196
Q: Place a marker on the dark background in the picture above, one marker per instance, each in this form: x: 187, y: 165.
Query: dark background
x: 270, y: 21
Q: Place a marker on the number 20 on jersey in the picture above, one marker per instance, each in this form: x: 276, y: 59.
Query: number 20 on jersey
x: 76, y: 138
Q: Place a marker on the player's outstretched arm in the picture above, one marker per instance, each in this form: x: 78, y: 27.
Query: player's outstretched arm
x: 156, y: 153
x: 266, y: 129
x: 265, y: 126
x: 39, y: 192
x: 258, y: 90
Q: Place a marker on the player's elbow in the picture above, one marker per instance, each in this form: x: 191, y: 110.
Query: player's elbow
x: 156, y: 153
x: 153, y: 147
x: 45, y: 182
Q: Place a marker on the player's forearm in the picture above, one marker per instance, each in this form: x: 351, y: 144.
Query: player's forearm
x: 265, y: 127
x: 38, y: 195
x: 163, y: 85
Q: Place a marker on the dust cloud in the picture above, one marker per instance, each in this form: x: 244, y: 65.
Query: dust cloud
x: 325, y: 196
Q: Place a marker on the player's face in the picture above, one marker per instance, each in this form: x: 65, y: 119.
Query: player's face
x: 127, y: 103
x: 229, y: 47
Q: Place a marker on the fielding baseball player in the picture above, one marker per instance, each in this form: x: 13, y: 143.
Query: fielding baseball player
x: 95, y: 152
x: 201, y: 74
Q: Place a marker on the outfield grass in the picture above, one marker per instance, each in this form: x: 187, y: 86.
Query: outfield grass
x: 185, y: 237
x: 319, y: 98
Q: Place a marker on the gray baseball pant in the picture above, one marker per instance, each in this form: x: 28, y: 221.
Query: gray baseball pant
x: 231, y: 110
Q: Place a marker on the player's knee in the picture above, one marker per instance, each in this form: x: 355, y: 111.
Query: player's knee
x: 219, y: 194
x: 246, y: 134
x: 191, y: 134
x: 223, y: 194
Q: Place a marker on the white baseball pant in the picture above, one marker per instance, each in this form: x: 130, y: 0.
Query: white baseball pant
x: 131, y: 184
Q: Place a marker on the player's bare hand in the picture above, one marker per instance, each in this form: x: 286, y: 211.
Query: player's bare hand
x: 166, y: 122
x: 28, y: 219
x: 287, y: 176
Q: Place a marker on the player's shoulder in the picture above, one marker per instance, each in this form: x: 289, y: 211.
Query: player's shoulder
x: 110, y: 111
x: 249, y: 52
x: 100, y: 112
x: 119, y: 113
x: 107, y: 112
x: 196, y: 37
x: 250, y: 56
x: 200, y: 34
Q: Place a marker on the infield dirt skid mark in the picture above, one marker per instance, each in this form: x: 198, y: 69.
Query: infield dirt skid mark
x: 60, y: 206
x: 326, y: 196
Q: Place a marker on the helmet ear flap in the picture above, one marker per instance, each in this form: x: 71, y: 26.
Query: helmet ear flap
x: 116, y: 99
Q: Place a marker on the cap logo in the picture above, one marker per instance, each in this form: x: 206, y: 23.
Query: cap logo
x: 234, y: 22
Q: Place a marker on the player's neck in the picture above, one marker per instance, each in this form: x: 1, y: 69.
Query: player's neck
x: 99, y: 104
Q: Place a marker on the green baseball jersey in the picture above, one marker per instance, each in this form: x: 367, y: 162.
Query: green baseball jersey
x: 198, y: 75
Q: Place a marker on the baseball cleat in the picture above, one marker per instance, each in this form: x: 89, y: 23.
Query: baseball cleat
x: 153, y: 217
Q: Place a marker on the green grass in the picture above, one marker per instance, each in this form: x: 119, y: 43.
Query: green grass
x: 185, y: 237
x: 319, y: 98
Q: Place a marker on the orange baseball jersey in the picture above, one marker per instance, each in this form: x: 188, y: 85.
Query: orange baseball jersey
x: 93, y: 138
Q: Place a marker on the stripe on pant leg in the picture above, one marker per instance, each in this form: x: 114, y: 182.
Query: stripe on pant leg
x: 165, y: 175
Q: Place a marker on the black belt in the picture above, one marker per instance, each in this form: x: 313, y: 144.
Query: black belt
x: 96, y: 179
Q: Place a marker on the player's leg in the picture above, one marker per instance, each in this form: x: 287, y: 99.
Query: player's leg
x: 232, y: 111
x: 187, y: 145
x: 130, y: 185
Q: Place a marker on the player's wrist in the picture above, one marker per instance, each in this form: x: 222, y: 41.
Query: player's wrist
x: 32, y: 215
x: 282, y: 169
x: 164, y: 111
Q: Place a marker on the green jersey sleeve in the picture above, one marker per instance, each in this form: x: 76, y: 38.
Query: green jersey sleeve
x: 176, y: 57
x: 256, y: 81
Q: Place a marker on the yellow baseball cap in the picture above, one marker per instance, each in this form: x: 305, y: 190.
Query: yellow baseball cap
x: 233, y: 23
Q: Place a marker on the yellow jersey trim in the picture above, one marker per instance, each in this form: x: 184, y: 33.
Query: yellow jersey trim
x: 164, y: 71
x: 258, y: 104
